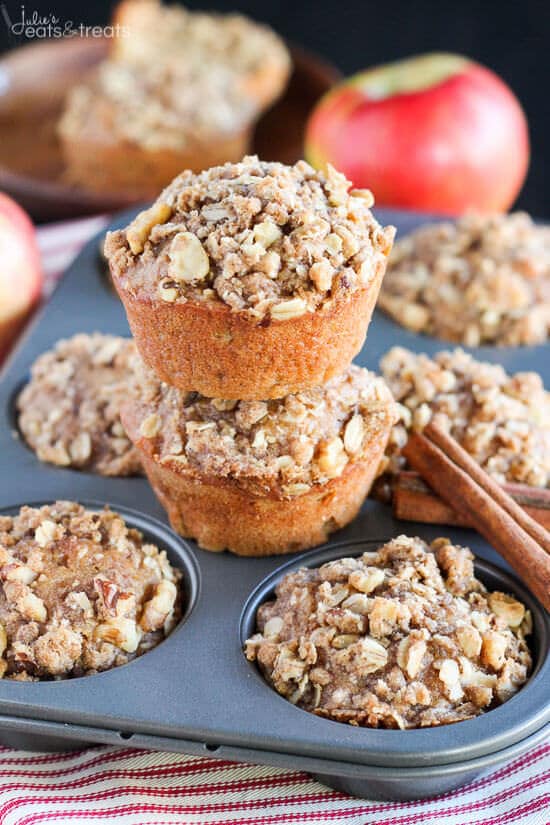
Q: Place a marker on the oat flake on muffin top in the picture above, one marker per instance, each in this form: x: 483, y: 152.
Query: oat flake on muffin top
x: 481, y: 280
x: 261, y: 238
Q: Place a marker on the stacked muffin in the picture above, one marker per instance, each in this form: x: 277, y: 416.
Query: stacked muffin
x: 249, y: 289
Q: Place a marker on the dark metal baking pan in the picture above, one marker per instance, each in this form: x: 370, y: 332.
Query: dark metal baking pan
x: 196, y: 693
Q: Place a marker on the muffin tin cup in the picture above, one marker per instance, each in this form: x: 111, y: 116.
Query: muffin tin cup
x: 486, y: 734
x: 196, y: 693
x: 154, y: 532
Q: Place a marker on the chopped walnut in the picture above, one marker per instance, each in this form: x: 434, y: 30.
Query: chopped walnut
x: 159, y: 607
x: 117, y: 605
x: 493, y: 649
x: 481, y: 280
x: 188, y: 261
x: 469, y: 640
x: 507, y: 608
x: 139, y: 230
x: 365, y: 581
x: 150, y: 426
x: 269, y: 240
x: 122, y: 632
x: 45, y: 532
x: 407, y: 655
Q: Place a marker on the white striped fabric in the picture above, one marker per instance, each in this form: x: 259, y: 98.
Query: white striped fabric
x: 131, y: 787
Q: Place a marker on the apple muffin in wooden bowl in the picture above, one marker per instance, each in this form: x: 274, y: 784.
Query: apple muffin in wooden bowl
x: 178, y: 90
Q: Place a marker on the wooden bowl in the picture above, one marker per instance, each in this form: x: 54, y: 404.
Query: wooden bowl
x: 33, y: 82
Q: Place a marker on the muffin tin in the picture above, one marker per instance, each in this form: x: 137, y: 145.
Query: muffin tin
x: 196, y: 693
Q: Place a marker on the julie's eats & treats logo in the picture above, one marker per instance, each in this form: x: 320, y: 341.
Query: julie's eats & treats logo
x: 32, y: 25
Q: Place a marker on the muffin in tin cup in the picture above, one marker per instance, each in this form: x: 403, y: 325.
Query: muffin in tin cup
x: 68, y: 413
x: 82, y: 592
x: 481, y: 280
x: 448, y: 738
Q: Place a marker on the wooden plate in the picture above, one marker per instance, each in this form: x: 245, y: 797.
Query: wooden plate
x: 33, y: 82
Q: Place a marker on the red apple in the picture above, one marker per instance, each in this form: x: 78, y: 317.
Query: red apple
x: 437, y: 133
x: 20, y: 271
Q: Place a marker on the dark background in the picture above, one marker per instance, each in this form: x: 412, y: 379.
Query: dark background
x: 513, y: 38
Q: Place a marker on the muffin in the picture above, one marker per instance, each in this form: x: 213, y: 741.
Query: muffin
x: 251, y: 280
x: 68, y: 413
x: 178, y: 90
x: 481, y: 280
x: 404, y: 637
x: 261, y: 477
x: 81, y: 592
x: 501, y: 420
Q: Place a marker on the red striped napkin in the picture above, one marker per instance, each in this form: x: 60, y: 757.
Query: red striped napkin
x: 131, y: 787
x: 60, y: 242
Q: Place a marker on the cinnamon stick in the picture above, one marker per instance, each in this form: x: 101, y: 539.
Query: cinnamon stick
x: 464, y: 460
x: 472, y: 495
x: 413, y: 500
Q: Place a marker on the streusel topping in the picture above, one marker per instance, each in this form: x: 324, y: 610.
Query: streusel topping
x: 178, y: 78
x: 69, y: 410
x: 481, y: 280
x: 262, y: 238
x: 285, y: 445
x: 80, y: 592
x: 403, y: 637
x: 501, y: 420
